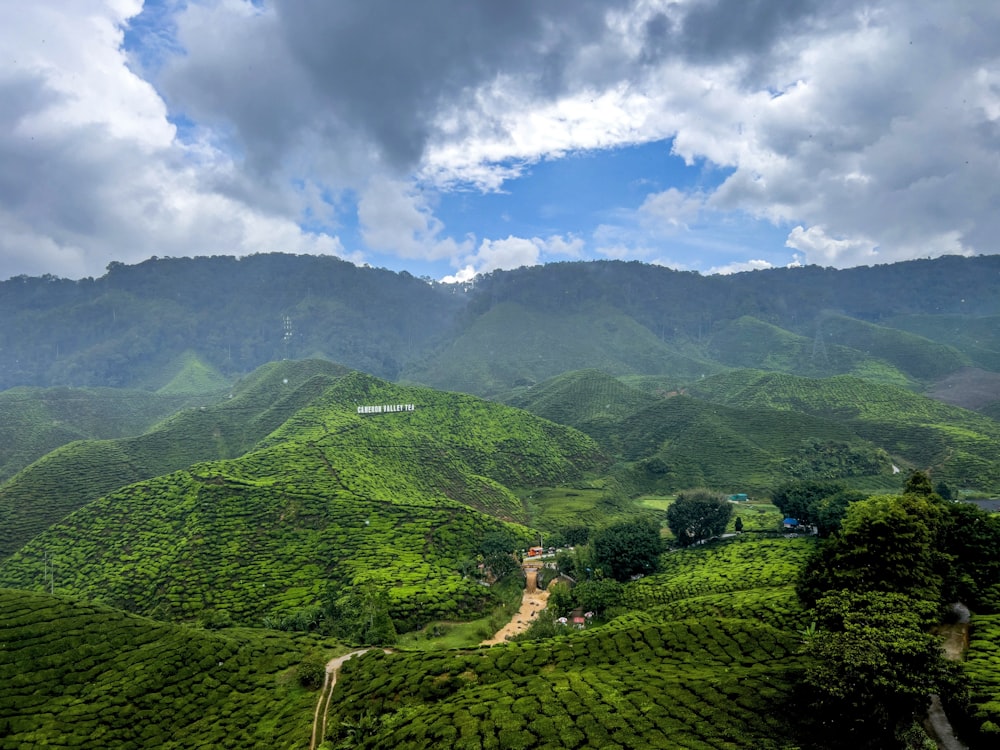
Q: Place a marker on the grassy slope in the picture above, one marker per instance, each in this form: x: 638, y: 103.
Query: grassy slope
x: 748, y: 342
x: 688, y: 673
x: 960, y: 446
x: 512, y: 346
x: 80, y: 472
x: 589, y: 400
x: 190, y: 374
x: 685, y: 442
x: 917, y: 356
x: 331, y: 496
x: 977, y: 337
x: 79, y: 675
x: 36, y: 421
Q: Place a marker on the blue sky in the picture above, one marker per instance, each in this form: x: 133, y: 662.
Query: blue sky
x: 455, y: 137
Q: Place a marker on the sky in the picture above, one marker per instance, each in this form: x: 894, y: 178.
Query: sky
x: 454, y: 137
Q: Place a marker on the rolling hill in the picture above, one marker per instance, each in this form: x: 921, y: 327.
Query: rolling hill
x: 959, y: 446
x: 74, y: 474
x: 81, y: 675
x: 332, y: 496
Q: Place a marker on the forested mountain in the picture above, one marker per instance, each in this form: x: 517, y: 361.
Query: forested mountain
x: 909, y: 323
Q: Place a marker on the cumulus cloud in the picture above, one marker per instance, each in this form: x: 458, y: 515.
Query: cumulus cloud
x: 514, y: 252
x: 866, y: 133
x: 740, y: 267
x: 90, y: 166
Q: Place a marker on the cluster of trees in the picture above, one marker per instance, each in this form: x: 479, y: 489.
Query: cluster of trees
x: 877, y: 583
x: 697, y: 515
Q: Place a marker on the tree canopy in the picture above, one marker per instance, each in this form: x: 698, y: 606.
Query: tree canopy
x: 697, y: 515
x: 628, y: 548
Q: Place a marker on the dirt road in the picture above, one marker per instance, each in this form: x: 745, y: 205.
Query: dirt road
x: 532, y: 603
x: 323, y: 704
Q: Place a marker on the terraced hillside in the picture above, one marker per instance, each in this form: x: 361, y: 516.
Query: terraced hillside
x: 77, y: 473
x: 589, y: 400
x: 332, y: 496
x: 749, y: 342
x: 961, y: 447
x: 76, y: 675
x: 688, y: 672
x: 36, y: 421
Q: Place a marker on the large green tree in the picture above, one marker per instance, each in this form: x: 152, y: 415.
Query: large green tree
x: 874, y: 669
x: 697, y: 515
x: 628, y: 548
x: 886, y: 543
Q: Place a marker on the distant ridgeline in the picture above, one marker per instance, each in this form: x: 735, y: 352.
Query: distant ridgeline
x: 192, y: 324
x: 385, y: 408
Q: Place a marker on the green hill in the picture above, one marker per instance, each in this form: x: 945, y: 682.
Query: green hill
x: 685, y: 442
x: 749, y: 342
x: 333, y: 496
x: 35, y: 421
x: 191, y: 375
x: 959, y: 446
x: 75, y: 474
x: 589, y: 400
x: 977, y: 337
x: 679, y: 673
x: 78, y: 675
x: 919, y: 357
x: 513, y: 345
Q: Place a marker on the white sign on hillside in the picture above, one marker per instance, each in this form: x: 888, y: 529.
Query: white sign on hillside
x: 385, y: 408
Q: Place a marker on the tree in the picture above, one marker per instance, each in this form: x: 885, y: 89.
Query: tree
x: 739, y: 525
x: 697, y: 515
x: 887, y: 543
x: 628, y: 548
x: 801, y: 500
x: 361, y: 615
x: 597, y: 596
x: 874, y: 667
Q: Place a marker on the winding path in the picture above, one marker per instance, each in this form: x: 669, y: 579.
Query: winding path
x: 323, y: 704
x: 956, y: 640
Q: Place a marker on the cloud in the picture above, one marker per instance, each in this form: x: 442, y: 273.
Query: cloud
x: 740, y: 267
x: 396, y: 219
x: 514, y: 252
x: 90, y: 167
x: 864, y: 133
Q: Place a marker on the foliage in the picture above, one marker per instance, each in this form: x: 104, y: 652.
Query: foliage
x: 628, y: 548
x: 687, y: 683
x: 981, y: 668
x: 597, y: 595
x: 79, y: 472
x: 698, y: 514
x: 329, y: 496
x: 887, y: 543
x: 78, y: 675
x: 874, y: 668
x: 361, y: 615
x: 970, y: 539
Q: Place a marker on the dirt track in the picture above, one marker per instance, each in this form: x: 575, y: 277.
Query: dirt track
x: 532, y: 602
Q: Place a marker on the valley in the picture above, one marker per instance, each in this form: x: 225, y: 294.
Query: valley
x: 181, y: 559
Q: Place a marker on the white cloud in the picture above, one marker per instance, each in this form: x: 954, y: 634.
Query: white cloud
x: 867, y: 133
x: 740, y: 267
x: 396, y: 219
x: 91, y: 169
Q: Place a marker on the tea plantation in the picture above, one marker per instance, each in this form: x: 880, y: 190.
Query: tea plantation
x: 332, y: 497
x: 76, y: 675
x: 710, y: 667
